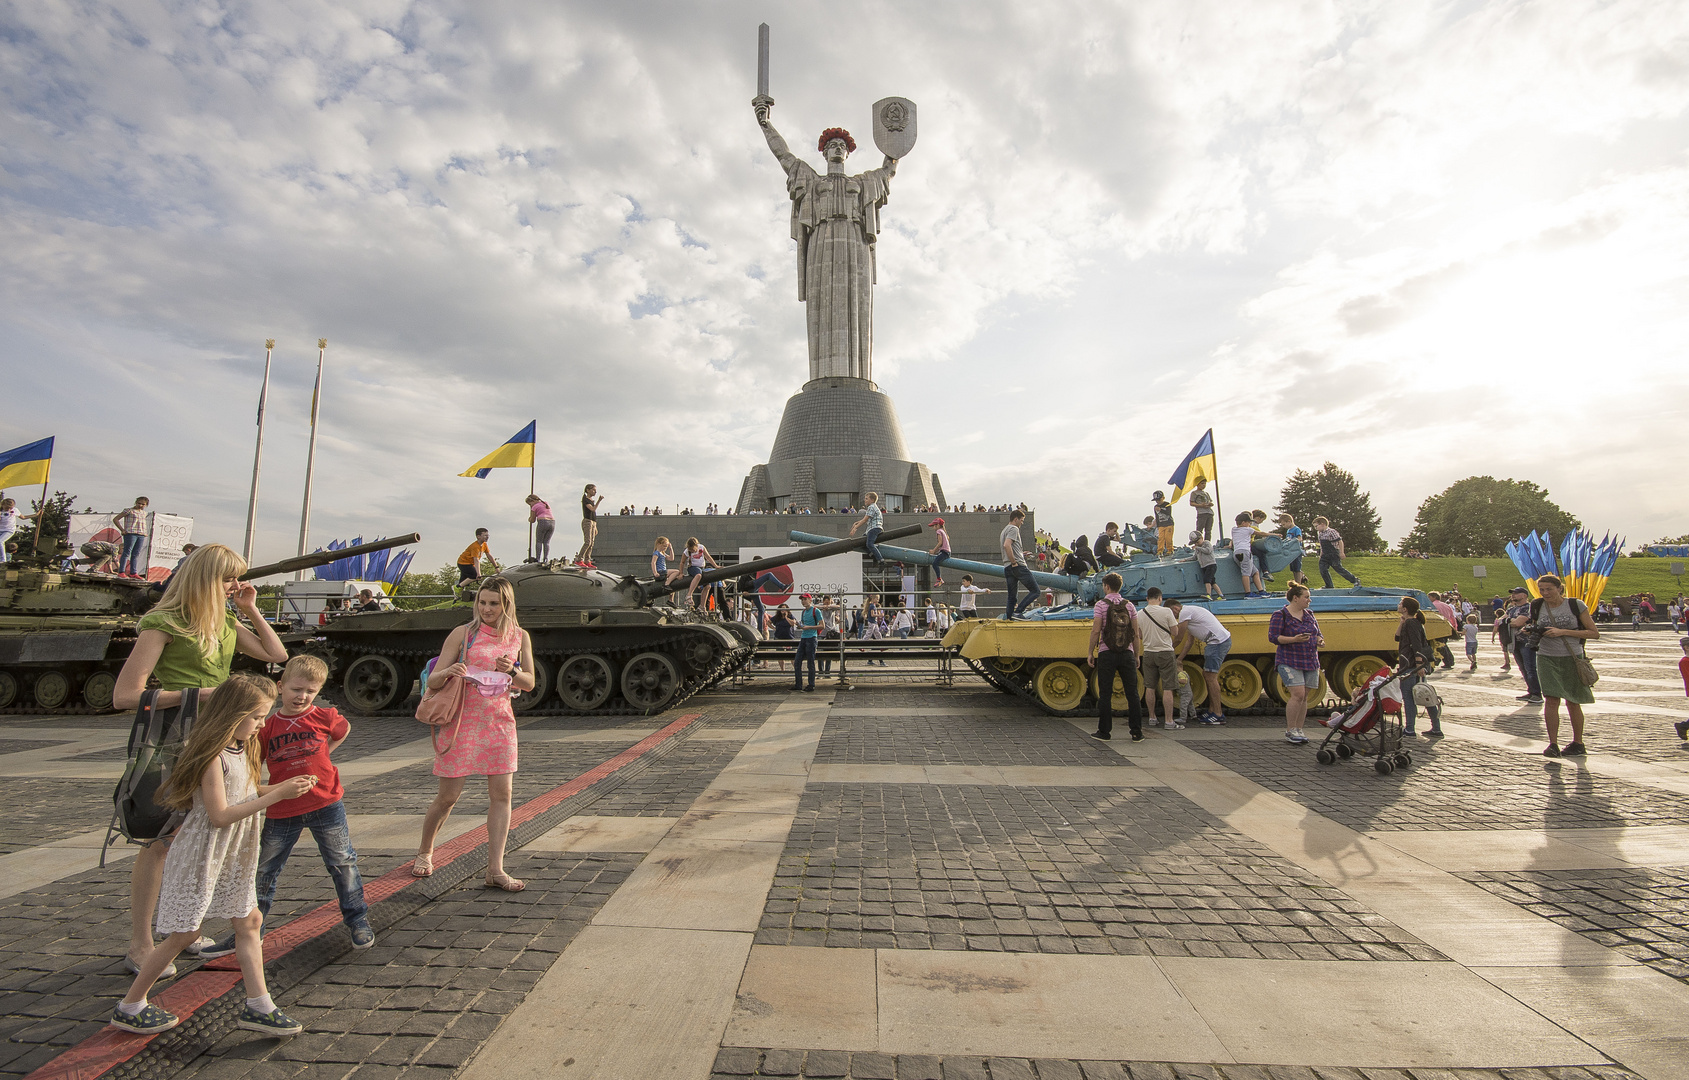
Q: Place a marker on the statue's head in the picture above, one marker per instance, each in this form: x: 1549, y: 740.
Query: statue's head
x: 836, y: 143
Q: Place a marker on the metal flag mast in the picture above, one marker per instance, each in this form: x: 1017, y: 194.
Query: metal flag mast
x: 258, y: 453
x: 311, y: 454
x: 533, y: 472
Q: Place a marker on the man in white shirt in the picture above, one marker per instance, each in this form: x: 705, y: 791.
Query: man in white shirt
x: 1157, y: 625
x: 1199, y: 624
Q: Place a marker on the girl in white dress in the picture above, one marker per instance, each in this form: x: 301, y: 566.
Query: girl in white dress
x: 212, y: 868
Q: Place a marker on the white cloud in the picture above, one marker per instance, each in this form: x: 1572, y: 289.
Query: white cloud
x: 1353, y: 231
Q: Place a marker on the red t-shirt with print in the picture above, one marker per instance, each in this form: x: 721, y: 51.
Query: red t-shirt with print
x: 298, y: 746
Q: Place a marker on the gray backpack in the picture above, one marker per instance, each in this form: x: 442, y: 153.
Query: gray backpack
x: 156, y: 738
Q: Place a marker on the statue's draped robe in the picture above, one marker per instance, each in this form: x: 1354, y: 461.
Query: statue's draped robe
x: 835, y: 220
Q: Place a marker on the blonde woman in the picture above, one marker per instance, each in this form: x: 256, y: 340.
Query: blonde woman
x: 188, y: 640
x: 483, y: 741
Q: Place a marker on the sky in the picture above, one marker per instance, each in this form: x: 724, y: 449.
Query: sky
x: 1421, y: 240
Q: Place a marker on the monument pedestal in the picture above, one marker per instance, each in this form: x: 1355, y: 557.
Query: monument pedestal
x: 839, y: 439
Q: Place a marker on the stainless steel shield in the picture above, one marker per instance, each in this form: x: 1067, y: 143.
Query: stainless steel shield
x: 894, y: 126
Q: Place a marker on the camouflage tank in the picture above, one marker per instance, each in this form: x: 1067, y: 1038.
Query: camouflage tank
x: 604, y: 644
x: 64, y: 634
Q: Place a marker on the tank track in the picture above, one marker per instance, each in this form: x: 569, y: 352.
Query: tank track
x: 553, y: 705
x: 1023, y: 689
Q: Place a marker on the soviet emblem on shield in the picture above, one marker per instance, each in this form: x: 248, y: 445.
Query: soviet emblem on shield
x: 894, y: 126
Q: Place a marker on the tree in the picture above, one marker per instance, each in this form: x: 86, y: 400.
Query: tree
x: 1333, y: 494
x: 442, y: 582
x: 1481, y: 515
x: 55, y: 522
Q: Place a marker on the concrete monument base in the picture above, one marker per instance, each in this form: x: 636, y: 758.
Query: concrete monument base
x: 839, y: 439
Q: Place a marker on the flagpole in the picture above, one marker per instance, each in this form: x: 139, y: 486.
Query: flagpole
x: 532, y: 475
x: 1219, y: 512
x: 41, y: 512
x: 311, y: 454
x: 258, y: 453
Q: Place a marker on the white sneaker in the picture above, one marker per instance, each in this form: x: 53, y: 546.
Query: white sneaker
x: 1174, y: 725
x: 1295, y: 738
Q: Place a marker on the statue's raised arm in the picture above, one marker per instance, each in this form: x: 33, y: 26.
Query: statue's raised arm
x: 789, y: 161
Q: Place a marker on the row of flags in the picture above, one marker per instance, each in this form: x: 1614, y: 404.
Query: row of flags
x: 386, y: 566
x: 1584, y: 565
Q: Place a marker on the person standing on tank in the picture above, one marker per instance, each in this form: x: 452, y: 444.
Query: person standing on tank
x: 1203, y: 503
x: 544, y: 523
x: 1015, y: 570
x: 1163, y: 514
x: 187, y: 641
x: 483, y: 740
x: 590, y: 498
x: 132, y: 523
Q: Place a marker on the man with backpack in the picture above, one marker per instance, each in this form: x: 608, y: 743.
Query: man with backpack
x: 1115, y: 643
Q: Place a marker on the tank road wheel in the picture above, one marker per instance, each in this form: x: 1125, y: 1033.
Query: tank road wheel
x: 585, y: 682
x: 1006, y: 665
x: 1355, y: 672
x: 650, y: 681
x: 544, y: 683
x: 52, y: 689
x: 1061, y: 685
x: 1199, y: 685
x: 1279, y: 693
x: 699, y: 654
x: 98, y: 690
x: 8, y: 688
x: 374, y: 682
x: 1240, y: 684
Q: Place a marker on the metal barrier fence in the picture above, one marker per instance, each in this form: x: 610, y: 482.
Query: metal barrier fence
x: 842, y: 654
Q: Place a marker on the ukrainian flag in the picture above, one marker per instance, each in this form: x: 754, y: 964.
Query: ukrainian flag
x: 1198, y: 464
x: 516, y: 453
x: 26, y: 465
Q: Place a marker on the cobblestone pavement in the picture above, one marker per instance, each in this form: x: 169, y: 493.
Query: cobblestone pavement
x: 1451, y: 785
x: 1185, y: 875
x: 737, y: 1062
x: 1053, y: 870
x: 1642, y: 913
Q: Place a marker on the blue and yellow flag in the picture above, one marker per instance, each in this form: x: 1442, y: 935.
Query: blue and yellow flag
x: 516, y: 453
x: 1198, y: 464
x: 26, y: 465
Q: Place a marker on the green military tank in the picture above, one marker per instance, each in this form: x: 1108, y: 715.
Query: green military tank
x: 64, y: 634
x: 604, y: 644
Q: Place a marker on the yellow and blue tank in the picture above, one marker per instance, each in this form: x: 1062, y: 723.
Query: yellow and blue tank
x: 1041, y: 656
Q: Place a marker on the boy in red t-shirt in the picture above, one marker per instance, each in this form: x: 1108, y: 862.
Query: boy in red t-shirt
x: 296, y: 741
x: 1682, y: 726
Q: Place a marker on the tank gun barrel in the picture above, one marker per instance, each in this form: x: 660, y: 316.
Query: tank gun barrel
x: 1061, y: 582
x: 323, y: 558
x: 824, y: 546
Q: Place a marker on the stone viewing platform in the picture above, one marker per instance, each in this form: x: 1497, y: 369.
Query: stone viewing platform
x: 909, y: 881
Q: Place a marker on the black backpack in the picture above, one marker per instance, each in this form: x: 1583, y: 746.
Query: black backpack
x: 156, y: 738
x: 1117, y: 627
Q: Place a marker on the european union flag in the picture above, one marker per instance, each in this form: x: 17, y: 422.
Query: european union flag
x: 1198, y: 464
x: 26, y: 465
x: 516, y: 453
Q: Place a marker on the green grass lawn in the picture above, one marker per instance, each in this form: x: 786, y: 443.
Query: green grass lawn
x: 1441, y: 574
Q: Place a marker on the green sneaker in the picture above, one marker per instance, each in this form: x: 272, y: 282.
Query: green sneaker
x: 276, y: 1023
x: 149, y: 1021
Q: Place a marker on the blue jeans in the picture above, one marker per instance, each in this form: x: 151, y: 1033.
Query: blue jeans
x: 874, y: 552
x: 334, y: 842
x: 1527, y: 658
x: 806, y: 650
x: 1328, y: 565
x: 762, y: 582
x: 938, y: 563
x: 1410, y: 710
x: 130, y: 561
x: 1019, y: 575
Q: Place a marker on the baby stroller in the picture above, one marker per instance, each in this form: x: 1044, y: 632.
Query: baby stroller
x: 1371, y: 726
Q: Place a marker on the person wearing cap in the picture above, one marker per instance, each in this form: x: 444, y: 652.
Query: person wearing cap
x: 939, y: 551
x: 809, y: 639
x: 1163, y: 525
x: 1518, y: 615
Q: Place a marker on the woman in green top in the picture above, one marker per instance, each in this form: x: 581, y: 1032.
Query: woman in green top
x: 187, y: 640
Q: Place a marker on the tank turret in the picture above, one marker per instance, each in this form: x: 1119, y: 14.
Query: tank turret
x: 64, y: 634
x: 604, y: 643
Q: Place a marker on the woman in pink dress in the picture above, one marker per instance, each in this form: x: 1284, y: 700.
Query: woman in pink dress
x: 483, y: 741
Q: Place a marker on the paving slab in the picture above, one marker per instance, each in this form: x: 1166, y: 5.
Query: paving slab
x: 588, y: 832
x: 807, y: 998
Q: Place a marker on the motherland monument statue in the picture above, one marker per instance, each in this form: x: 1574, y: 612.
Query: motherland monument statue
x: 840, y: 437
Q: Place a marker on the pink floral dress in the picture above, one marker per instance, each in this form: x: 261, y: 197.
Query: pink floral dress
x: 484, y: 740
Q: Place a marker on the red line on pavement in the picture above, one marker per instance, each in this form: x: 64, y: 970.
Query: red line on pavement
x: 99, y: 1053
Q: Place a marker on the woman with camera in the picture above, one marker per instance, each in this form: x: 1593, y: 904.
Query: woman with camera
x: 1415, y: 659
x: 1558, y: 626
